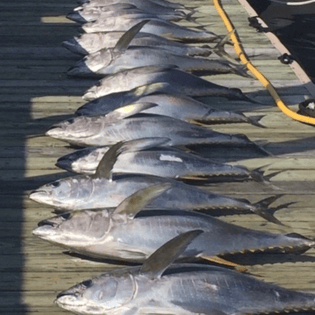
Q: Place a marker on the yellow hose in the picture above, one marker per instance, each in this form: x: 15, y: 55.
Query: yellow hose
x: 265, y: 82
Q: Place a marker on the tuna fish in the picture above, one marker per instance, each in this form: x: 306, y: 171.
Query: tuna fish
x: 102, y: 191
x: 105, y: 62
x: 89, y: 14
x: 127, y: 233
x: 181, y: 82
x: 159, y: 161
x: 155, y: 26
x: 157, y: 287
x: 119, y: 58
x: 139, y: 3
x: 90, y: 43
x: 123, y: 124
x: 168, y: 104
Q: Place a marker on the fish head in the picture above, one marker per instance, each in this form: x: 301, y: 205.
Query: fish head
x: 75, y: 229
x: 74, y: 129
x: 84, y: 159
x: 102, y: 295
x: 92, y: 63
x: 66, y: 193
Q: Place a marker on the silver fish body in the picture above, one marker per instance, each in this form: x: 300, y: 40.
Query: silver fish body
x: 100, y: 13
x: 182, y: 289
x: 139, y: 3
x: 164, y: 162
x: 180, y: 81
x: 104, y: 234
x: 85, y: 192
x: 89, y: 43
x: 100, y: 131
x: 103, y: 63
x: 172, y: 105
x: 154, y: 26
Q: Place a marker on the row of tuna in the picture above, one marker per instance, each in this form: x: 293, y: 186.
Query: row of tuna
x: 133, y: 198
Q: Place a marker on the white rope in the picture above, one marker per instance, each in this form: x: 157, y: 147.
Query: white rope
x: 294, y: 3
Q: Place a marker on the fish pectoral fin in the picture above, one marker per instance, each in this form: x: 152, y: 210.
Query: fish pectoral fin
x: 160, y: 260
x: 152, y: 88
x: 105, y: 166
x: 137, y: 201
x: 129, y: 110
x: 225, y: 262
x: 129, y: 35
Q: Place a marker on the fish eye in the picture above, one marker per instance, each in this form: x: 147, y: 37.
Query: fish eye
x: 71, y: 121
x: 86, y: 283
x: 65, y: 215
x: 55, y: 184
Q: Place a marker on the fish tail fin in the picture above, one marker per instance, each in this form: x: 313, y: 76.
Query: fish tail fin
x: 258, y: 176
x: 262, y: 209
x: 254, y: 120
x: 220, y: 51
x: 240, y: 70
x: 189, y: 16
x: 193, y: 9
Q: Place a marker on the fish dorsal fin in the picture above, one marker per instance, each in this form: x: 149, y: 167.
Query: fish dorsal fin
x: 159, y: 261
x: 106, y: 164
x: 148, y: 89
x: 129, y: 110
x: 104, y: 168
x: 137, y: 201
x: 129, y: 35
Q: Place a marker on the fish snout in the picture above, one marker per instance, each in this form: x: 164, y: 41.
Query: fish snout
x: 64, y: 162
x: 90, y: 94
x: 54, y: 131
x: 80, y: 69
x: 76, y: 17
x: 41, y: 196
x: 43, y: 231
x: 74, y: 46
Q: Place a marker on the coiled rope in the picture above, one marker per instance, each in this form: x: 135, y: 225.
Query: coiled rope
x: 265, y: 82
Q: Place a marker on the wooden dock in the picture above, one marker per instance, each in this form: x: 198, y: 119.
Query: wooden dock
x: 36, y: 92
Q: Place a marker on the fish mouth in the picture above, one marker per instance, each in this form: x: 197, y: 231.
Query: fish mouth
x: 41, y: 196
x: 68, y: 301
